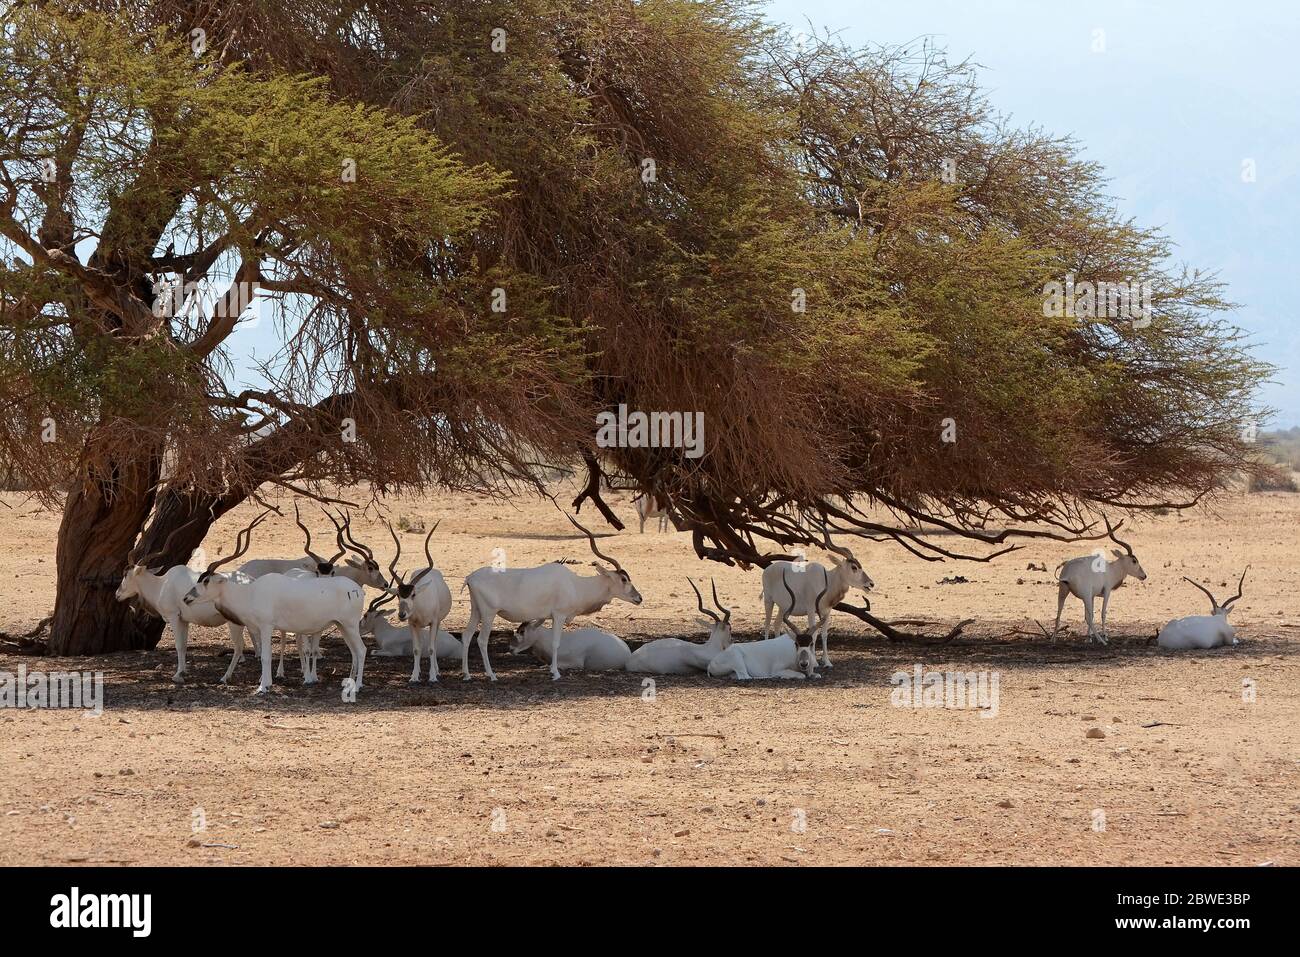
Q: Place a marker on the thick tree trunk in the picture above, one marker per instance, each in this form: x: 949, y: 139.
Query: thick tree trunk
x: 94, y: 540
x: 101, y: 520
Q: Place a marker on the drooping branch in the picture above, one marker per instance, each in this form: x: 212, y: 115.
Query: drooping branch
x: 592, y: 491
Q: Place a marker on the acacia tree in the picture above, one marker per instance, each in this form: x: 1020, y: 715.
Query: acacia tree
x: 150, y: 194
x: 828, y: 252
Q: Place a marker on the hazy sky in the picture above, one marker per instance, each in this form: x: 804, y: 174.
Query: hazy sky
x: 1183, y: 94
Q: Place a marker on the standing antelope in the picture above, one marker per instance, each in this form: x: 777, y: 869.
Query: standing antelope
x: 423, y: 603
x: 1088, y: 576
x: 673, y: 656
x: 304, y: 606
x: 534, y: 594
x: 1202, y: 631
x: 650, y: 506
x: 363, y: 571
x: 835, y: 584
x: 162, y: 594
x: 780, y: 657
x: 311, y: 562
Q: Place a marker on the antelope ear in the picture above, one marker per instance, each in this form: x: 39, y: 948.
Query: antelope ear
x: 157, y: 570
x: 835, y: 559
x: 1117, y: 553
x: 353, y: 563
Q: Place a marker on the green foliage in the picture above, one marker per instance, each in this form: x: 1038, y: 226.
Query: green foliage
x: 796, y: 268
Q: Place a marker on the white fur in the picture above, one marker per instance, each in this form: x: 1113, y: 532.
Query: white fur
x: 424, y: 611
x: 394, y: 641
x: 308, y: 646
x: 847, y: 573
x: 1202, y: 631
x: 587, y: 649
x: 301, y: 605
x: 164, y: 596
x: 534, y: 594
x: 673, y: 656
x: 1089, y: 576
x: 768, y: 658
x: 1197, y: 631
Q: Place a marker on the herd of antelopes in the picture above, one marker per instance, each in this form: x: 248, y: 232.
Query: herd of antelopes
x: 304, y: 597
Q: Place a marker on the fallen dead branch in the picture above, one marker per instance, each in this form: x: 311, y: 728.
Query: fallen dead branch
x: 892, y: 633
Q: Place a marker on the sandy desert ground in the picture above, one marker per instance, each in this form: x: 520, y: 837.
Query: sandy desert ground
x: 592, y: 770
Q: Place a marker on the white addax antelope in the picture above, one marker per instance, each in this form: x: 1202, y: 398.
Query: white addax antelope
x: 162, y: 594
x: 1088, y: 576
x: 1202, y: 631
x: 309, y: 562
x: 780, y: 657
x: 673, y: 656
x: 535, y: 594
x: 649, y: 506
x: 303, y: 606
x: 584, y: 649
x: 423, y: 603
x: 394, y: 641
x: 834, y: 585
x: 363, y: 570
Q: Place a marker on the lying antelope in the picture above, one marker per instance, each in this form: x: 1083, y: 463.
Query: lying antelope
x: 394, y: 641
x: 584, y: 649
x: 1202, y: 631
x: 423, y: 603
x: 673, y: 656
x: 301, y: 605
x: 535, y: 594
x: 834, y: 584
x: 780, y: 657
x: 1091, y: 575
x: 162, y: 594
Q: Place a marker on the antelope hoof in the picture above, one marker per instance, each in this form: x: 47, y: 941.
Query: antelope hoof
x: 178, y: 678
x: 262, y: 689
